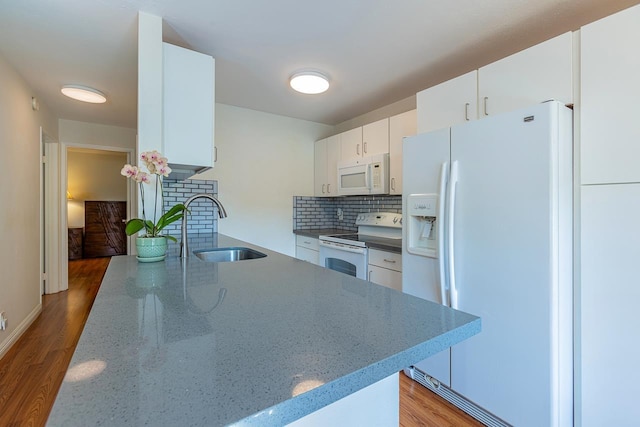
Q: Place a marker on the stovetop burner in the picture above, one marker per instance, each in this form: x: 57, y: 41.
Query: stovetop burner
x: 371, y: 226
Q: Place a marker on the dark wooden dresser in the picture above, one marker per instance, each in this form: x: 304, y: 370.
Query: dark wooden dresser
x: 75, y: 243
x: 104, y: 223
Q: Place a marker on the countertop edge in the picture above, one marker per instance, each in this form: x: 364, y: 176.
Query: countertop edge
x: 342, y: 387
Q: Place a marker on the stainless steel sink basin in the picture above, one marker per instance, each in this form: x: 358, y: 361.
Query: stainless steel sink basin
x: 228, y: 254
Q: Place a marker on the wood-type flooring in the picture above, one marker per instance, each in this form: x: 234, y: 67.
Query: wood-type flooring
x: 32, y: 371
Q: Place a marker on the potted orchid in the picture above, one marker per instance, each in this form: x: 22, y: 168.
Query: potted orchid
x: 152, y: 246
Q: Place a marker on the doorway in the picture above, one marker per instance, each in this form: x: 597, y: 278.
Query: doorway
x: 97, y: 201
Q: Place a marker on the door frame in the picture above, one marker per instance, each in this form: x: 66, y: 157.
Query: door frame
x: 52, y: 279
x: 131, y: 200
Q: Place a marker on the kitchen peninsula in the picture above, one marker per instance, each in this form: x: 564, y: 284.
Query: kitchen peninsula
x: 256, y: 342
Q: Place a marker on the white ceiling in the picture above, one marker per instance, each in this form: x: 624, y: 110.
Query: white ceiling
x: 376, y: 52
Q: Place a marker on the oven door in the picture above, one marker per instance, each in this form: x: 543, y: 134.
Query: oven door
x: 351, y: 260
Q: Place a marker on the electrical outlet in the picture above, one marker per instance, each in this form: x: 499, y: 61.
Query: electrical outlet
x: 3, y: 321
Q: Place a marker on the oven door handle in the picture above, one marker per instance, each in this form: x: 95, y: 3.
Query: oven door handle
x: 345, y: 248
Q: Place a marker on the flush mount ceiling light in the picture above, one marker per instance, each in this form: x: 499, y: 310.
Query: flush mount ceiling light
x: 84, y: 94
x: 309, y: 82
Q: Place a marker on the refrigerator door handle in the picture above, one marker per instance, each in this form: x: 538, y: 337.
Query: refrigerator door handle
x: 444, y: 172
x: 453, y: 181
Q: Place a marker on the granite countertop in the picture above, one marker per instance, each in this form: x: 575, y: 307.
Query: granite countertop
x: 186, y: 342
x: 382, y: 243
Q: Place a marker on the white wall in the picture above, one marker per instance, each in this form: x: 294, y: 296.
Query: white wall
x: 20, y: 195
x: 398, y: 107
x: 83, y: 133
x: 263, y: 161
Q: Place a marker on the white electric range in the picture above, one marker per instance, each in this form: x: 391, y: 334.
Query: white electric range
x: 348, y: 253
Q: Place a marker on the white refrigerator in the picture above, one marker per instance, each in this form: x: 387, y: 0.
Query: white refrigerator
x: 488, y: 230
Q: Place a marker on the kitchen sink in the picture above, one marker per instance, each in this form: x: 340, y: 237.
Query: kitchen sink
x: 228, y: 254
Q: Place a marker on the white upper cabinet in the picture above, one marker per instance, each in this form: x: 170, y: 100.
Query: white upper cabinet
x: 534, y: 75
x: 351, y: 143
x: 531, y: 76
x: 333, y: 156
x: 367, y: 140
x: 188, y: 106
x: 326, y: 156
x: 375, y: 138
x: 400, y: 126
x: 610, y: 93
x: 449, y: 103
x: 320, y: 168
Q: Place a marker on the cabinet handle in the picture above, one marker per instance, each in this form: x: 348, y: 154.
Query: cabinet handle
x: 370, y: 274
x: 358, y: 149
x: 323, y: 188
x: 306, y: 242
x: 365, y: 148
x: 393, y: 184
x: 392, y: 261
x: 466, y: 111
x: 486, y: 112
x: 215, y: 154
x: 328, y: 188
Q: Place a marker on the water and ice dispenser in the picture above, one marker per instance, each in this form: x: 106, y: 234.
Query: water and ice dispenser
x: 422, y: 225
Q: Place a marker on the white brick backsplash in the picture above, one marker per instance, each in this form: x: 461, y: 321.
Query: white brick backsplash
x: 202, y: 218
x: 321, y: 212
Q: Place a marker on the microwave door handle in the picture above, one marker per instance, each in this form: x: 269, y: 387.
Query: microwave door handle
x: 367, y: 177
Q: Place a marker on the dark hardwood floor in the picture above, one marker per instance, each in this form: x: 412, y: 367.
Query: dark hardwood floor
x: 32, y: 370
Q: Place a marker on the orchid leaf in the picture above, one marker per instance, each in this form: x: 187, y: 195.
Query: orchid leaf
x: 133, y: 226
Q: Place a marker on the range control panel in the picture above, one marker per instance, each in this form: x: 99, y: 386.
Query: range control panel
x: 380, y: 219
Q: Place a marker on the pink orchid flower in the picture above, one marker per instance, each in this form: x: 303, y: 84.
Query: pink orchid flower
x: 129, y: 171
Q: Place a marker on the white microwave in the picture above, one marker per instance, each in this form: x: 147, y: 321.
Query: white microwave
x: 366, y: 175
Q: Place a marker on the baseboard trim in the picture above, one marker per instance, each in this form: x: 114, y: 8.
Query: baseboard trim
x: 21, y: 329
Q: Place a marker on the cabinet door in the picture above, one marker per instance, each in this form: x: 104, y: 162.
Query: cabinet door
x: 452, y: 102
x: 188, y: 106
x: 351, y: 144
x: 375, y: 138
x: 385, y: 277
x: 610, y: 272
x: 306, y: 254
x: 399, y: 126
x: 531, y: 76
x: 333, y: 156
x: 610, y: 90
x: 320, y: 168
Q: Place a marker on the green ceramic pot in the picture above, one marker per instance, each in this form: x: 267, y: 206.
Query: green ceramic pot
x: 151, y: 249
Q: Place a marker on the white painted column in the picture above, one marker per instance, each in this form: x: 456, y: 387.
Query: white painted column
x: 150, y: 99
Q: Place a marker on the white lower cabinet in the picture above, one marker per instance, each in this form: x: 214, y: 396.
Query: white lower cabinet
x: 609, y: 295
x: 307, y: 249
x: 385, y: 268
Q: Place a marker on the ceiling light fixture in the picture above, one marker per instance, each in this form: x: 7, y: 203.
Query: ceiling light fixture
x: 84, y: 94
x: 309, y: 82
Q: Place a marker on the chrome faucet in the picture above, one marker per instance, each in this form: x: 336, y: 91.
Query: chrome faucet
x: 184, y: 247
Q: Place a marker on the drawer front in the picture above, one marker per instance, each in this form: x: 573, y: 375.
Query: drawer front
x: 307, y: 242
x: 390, y: 260
x: 307, y: 255
x: 385, y: 277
